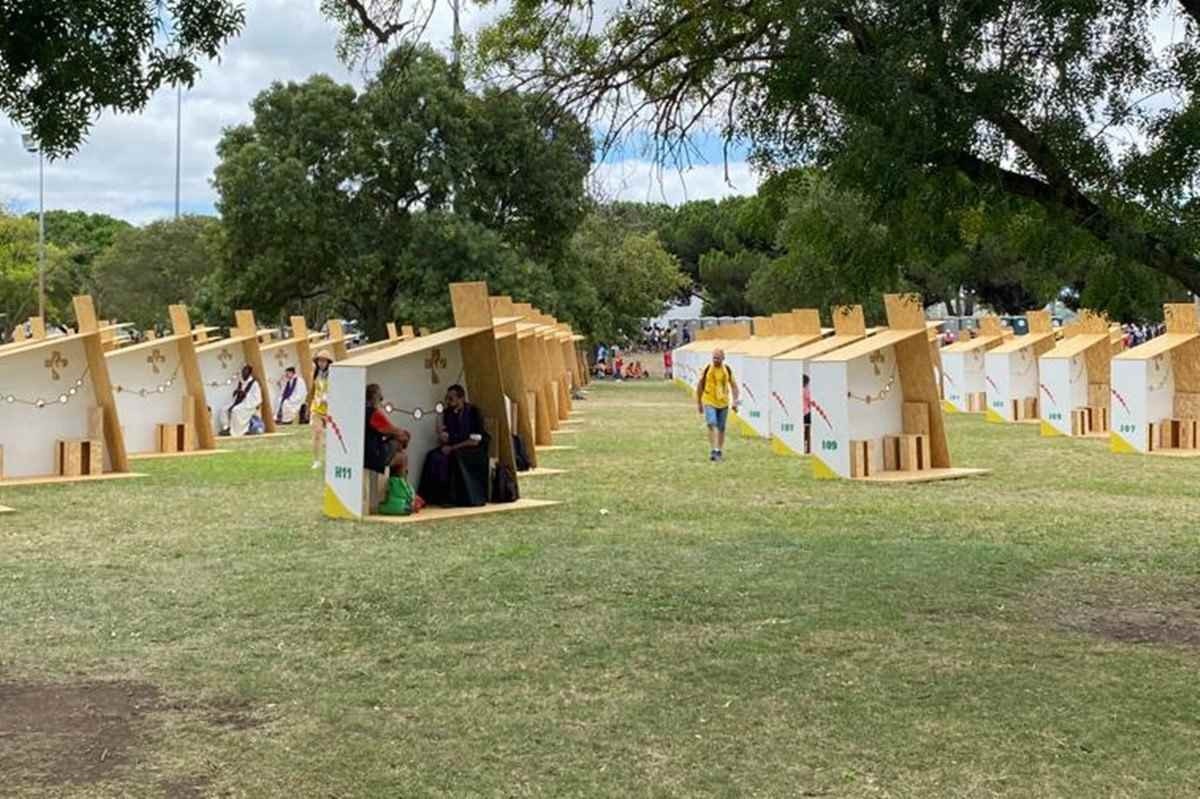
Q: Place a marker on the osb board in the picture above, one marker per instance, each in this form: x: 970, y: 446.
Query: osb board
x: 1156, y: 346
x: 923, y: 476
x: 152, y: 456
x: 556, y: 448
x: 914, y: 360
x: 59, y: 480
x: 1039, y: 322
x: 905, y: 311
x: 542, y: 471
x: 848, y: 320
x: 1187, y: 405
x: 448, y: 514
x: 1181, y: 317
x: 1185, y: 361
x: 1099, y: 396
x: 1039, y: 341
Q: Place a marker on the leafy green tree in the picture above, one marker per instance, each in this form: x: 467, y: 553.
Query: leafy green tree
x: 614, y: 276
x: 365, y: 200
x: 61, y: 63
x: 146, y: 269
x: 82, y: 236
x: 1069, y: 105
x: 19, y: 273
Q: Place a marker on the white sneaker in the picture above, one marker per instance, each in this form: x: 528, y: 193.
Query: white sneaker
x: 316, y: 465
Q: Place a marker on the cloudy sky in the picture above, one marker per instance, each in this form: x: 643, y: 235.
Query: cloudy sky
x: 127, y: 166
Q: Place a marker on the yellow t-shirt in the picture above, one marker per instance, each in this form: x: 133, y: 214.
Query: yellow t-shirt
x: 320, y: 396
x: 716, y: 387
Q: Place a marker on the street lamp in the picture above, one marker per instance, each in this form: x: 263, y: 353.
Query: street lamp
x: 31, y: 145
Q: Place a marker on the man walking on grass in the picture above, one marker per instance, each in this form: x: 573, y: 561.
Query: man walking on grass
x: 712, y: 401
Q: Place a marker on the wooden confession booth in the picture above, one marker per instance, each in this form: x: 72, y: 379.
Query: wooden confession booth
x: 792, y: 330
x: 282, y: 349
x: 1075, y: 380
x: 58, y: 419
x: 414, y: 376
x: 876, y: 411
x: 37, y: 332
x: 1011, y: 371
x: 540, y: 399
x: 787, y: 379
x: 963, y: 372
x: 221, y: 362
x: 159, y: 391
x: 689, y: 360
x: 1156, y: 390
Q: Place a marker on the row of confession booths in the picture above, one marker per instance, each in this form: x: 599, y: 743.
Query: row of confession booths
x: 80, y: 406
x: 1011, y: 372
x: 414, y: 375
x: 1156, y: 390
x: 964, y: 374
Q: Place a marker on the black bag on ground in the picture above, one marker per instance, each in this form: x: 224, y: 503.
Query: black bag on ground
x: 504, y: 484
x: 521, y: 454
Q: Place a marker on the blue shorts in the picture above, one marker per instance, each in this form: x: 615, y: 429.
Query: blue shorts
x: 716, y: 417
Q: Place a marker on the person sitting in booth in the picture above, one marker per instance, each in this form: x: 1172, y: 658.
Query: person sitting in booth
x: 292, y: 396
x: 242, y: 418
x: 456, y: 472
x: 385, y: 451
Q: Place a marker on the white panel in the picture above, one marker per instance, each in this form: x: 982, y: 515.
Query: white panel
x: 219, y: 369
x: 755, y: 384
x: 140, y: 404
x: 787, y: 392
x: 344, y: 438
x: 276, y: 361
x: 1063, y: 388
x: 831, y: 415
x: 28, y: 434
x: 1131, y: 402
x: 964, y: 375
x: 880, y: 417
x: 998, y: 375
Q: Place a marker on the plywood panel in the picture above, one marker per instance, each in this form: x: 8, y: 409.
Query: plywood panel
x: 85, y: 316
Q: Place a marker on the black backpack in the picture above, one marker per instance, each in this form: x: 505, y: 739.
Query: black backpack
x: 504, y: 484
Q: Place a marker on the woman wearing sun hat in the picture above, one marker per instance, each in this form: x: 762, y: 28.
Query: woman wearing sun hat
x: 319, y: 403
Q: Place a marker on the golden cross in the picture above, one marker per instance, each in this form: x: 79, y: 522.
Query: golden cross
x: 434, y: 362
x: 877, y: 358
x: 281, y: 357
x: 56, y: 362
x: 224, y: 356
x: 155, y: 359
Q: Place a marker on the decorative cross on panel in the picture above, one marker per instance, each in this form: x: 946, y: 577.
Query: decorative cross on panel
x: 281, y: 358
x: 877, y: 359
x: 55, y: 363
x: 224, y: 356
x: 434, y: 362
x: 154, y: 360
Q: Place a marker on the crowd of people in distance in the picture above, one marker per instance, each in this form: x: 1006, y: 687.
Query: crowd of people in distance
x: 611, y: 365
x: 1136, y: 334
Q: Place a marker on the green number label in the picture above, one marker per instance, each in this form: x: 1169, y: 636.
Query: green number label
x: 342, y: 472
x: 787, y: 427
x: 829, y: 445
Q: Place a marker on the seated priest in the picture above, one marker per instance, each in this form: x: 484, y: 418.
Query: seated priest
x: 292, y: 396
x: 241, y: 417
x: 456, y: 472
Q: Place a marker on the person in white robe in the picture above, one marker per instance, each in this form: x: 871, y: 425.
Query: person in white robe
x: 237, y: 417
x: 293, y: 393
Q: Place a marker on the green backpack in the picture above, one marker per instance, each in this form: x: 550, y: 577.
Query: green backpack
x: 399, y: 499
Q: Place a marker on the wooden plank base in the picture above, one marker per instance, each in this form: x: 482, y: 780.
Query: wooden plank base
x: 152, y: 456
x: 545, y: 471
x: 260, y: 436
x: 923, y: 476
x: 556, y: 448
x: 1175, y: 453
x: 52, y: 479
x: 4, y: 510
x: 446, y: 514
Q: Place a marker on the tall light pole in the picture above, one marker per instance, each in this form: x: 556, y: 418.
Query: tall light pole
x: 31, y: 145
x: 178, y: 142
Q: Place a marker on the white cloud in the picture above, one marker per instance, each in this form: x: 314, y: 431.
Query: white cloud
x: 644, y: 181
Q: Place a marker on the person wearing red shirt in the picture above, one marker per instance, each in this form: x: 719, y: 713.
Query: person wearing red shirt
x: 386, y: 446
x: 668, y: 362
x: 806, y: 406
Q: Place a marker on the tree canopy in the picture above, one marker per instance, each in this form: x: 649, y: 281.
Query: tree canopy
x: 61, y: 63
x: 1068, y: 105
x: 368, y: 198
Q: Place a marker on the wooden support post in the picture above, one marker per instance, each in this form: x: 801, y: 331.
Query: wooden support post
x: 891, y: 453
x: 916, y: 418
x: 860, y: 458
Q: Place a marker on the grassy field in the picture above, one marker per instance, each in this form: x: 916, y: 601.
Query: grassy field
x: 733, y: 629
